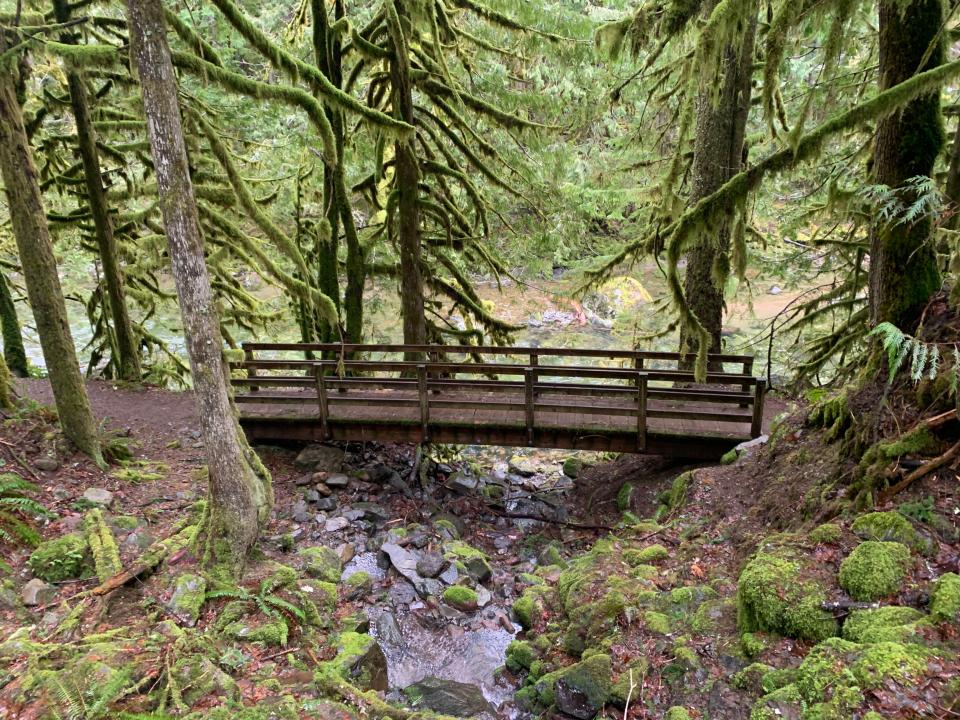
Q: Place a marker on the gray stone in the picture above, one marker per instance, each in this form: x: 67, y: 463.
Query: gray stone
x: 37, y: 592
x: 372, y: 512
x: 462, y: 483
x: 139, y: 539
x: 478, y: 568
x: 327, y: 503
x: 189, y: 594
x: 430, y: 565
x: 301, y: 513
x: 303, y: 480
x: 484, y: 596
x: 46, y: 463
x: 449, y: 697
x: 524, y: 466
x: 388, y: 630
x: 321, y: 562
x: 323, y: 489
x: 98, y: 496
x: 450, y: 575
x: 338, y: 480
x: 311, y: 496
x: 320, y: 458
x: 405, y: 563
x: 336, y: 524
x: 376, y: 473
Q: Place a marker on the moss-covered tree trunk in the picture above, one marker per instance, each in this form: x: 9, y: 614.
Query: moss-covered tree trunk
x: 239, y: 492
x: 407, y: 171
x: 951, y: 187
x: 721, y: 120
x: 13, y: 351
x: 126, y: 346
x: 903, y: 264
x: 39, y: 265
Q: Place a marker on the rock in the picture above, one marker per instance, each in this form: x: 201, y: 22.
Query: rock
x: 461, y: 597
x: 301, y: 513
x: 448, y: 697
x: 336, y: 524
x: 372, y: 512
x: 311, y: 496
x: 376, y: 473
x: 303, y: 480
x: 337, y: 481
x: 46, y: 463
x: 484, y: 597
x: 462, y: 483
x: 322, y: 458
x: 361, y: 660
x: 388, y: 630
x: 98, y: 496
x: 37, y: 592
x: 189, y: 594
x: 450, y: 575
x: 345, y: 552
x: 321, y: 562
x: 326, y: 503
x: 430, y: 565
x: 775, y: 290
x: 139, y: 539
x: 405, y: 563
x: 523, y: 466
x: 583, y: 689
x: 323, y: 489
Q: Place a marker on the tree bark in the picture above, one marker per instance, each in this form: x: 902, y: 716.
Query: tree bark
x: 407, y: 183
x: 127, y: 346
x: 39, y: 265
x: 239, y: 491
x: 13, y: 351
x: 721, y: 123
x: 903, y: 263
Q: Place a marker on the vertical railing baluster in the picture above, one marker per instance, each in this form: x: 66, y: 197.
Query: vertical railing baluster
x: 251, y: 371
x: 641, y: 411
x: 424, y: 402
x: 318, y: 370
x: 529, y: 380
x: 760, y: 391
x: 748, y: 371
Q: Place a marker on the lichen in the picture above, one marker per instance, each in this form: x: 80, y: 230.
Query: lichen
x: 874, y: 569
x: 63, y: 558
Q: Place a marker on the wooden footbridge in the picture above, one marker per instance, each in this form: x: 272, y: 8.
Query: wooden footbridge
x: 622, y: 401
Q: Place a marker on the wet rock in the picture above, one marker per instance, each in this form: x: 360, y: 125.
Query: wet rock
x: 430, y: 565
x: 189, y: 594
x: 37, y: 592
x: 336, y: 524
x: 462, y: 483
x: 388, y: 630
x: 46, y: 463
x: 320, y: 458
x: 98, y: 496
x: 337, y: 481
x: 448, y: 697
x: 405, y: 563
x: 321, y: 562
x: 301, y: 512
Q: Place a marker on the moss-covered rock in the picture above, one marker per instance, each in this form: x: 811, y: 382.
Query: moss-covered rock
x: 528, y: 608
x: 656, y: 622
x: 188, y: 596
x: 874, y: 569
x: 945, y: 599
x: 826, y: 534
x: 473, y: 562
x: 677, y: 713
x: 266, y: 630
x: 645, y: 556
x: 579, y: 690
x: 634, y: 673
x: 321, y: 562
x: 520, y: 655
x: 358, y: 585
x: 887, y: 527
x: 461, y: 597
x: 624, y: 497
x: 63, y: 558
x: 881, y: 624
x: 359, y: 660
x: 775, y: 593
x: 674, y: 498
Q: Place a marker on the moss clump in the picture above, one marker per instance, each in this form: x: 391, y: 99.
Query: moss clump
x: 272, y: 631
x: 881, y: 624
x: 359, y: 585
x: 527, y: 609
x: 359, y: 660
x: 189, y: 595
x: 656, y: 622
x: 874, y: 569
x: 520, y: 655
x: 884, y: 661
x: 461, y: 597
x: 945, y: 600
x: 590, y: 679
x: 677, y: 713
x: 474, y: 562
x: 774, y: 594
x: 674, y: 498
x: 752, y: 644
x: 103, y: 545
x: 647, y: 555
x: 751, y: 677
x: 624, y: 497
x: 446, y: 528
x: 63, y: 558
x: 322, y: 563
x: 826, y: 534
x: 887, y: 527
x: 771, y: 706
x: 636, y: 672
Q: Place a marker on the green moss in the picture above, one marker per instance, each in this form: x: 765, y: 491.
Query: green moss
x: 677, y: 713
x: 102, y: 544
x: 636, y: 672
x: 460, y: 597
x: 886, y: 623
x: 591, y: 678
x: 751, y: 677
x: 624, y: 496
x: 775, y: 595
x: 674, y: 498
x: 189, y: 595
x: 273, y: 631
x: 874, y: 569
x: 945, y: 600
x: 551, y: 557
x: 520, y: 655
x: 752, y: 644
x: 63, y: 558
x: 884, y: 661
x: 646, y: 527
x: 887, y: 527
x: 321, y: 562
x: 826, y: 534
x: 359, y: 584
x: 651, y: 554
x: 770, y: 706
x: 527, y: 609
x: 352, y: 647
x: 474, y: 562
x: 442, y: 524
x: 656, y: 622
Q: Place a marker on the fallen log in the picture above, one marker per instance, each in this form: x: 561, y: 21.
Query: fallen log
x: 922, y: 471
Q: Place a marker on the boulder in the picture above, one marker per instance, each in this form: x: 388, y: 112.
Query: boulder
x: 98, y: 496
x: 186, y: 601
x: 321, y: 562
x: 430, y: 565
x: 37, y: 592
x: 321, y: 458
x: 449, y: 697
x: 46, y: 463
x: 337, y: 481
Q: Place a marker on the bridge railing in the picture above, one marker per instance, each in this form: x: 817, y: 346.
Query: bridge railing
x: 531, y: 392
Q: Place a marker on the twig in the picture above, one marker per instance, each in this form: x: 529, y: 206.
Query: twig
x: 278, y: 654
x: 921, y: 472
x: 21, y: 462
x: 626, y: 708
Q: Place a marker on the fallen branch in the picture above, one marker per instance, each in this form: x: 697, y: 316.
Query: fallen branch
x: 935, y: 464
x: 151, y: 558
x: 368, y: 703
x: 849, y: 605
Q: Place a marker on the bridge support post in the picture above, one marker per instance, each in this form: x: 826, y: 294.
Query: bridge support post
x: 251, y: 371
x: 760, y: 390
x: 424, y: 402
x: 641, y: 411
x: 529, y: 380
x: 318, y: 371
x: 748, y: 371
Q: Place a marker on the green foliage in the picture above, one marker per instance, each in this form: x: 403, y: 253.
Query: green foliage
x: 925, y: 359
x: 63, y: 558
x: 18, y: 509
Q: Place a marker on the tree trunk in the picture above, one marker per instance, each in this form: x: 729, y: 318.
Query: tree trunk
x: 30, y: 229
x: 239, y: 492
x: 127, y: 345
x: 717, y: 156
x: 903, y: 263
x: 13, y: 351
x: 952, y: 186
x: 407, y: 183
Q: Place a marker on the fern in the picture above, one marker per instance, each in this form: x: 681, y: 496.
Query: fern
x: 17, y: 509
x: 925, y: 358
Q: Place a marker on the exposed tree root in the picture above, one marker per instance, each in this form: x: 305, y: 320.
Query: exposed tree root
x: 922, y: 471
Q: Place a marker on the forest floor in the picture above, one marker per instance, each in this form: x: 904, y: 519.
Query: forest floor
x: 645, y: 589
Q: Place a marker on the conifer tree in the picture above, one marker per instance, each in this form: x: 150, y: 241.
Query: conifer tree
x: 13, y: 350
x: 39, y: 264
x: 239, y: 491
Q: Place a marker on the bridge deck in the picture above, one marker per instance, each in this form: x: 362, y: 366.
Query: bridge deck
x: 648, y: 406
